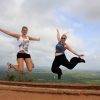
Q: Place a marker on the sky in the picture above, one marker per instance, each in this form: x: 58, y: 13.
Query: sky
x: 80, y: 18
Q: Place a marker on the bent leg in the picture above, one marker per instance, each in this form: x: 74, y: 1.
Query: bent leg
x: 55, y: 68
x: 73, y: 62
x: 29, y: 64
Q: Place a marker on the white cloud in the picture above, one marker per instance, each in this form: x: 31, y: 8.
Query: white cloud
x: 40, y: 16
x: 85, y: 9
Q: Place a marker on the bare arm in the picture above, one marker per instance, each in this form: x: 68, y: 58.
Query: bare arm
x: 58, y: 35
x: 10, y: 33
x: 34, y: 38
x: 71, y: 50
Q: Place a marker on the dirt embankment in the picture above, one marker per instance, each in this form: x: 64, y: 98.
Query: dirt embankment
x: 37, y: 91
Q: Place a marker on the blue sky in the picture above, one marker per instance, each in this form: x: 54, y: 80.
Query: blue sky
x: 81, y: 18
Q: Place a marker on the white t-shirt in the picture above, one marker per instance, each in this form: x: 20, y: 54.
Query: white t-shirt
x: 23, y: 44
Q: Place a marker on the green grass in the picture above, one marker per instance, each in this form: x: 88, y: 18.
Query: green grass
x: 69, y: 77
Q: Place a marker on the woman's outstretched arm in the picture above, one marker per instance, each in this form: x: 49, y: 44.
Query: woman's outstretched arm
x: 34, y: 38
x: 71, y: 50
x: 10, y: 33
x: 58, y: 35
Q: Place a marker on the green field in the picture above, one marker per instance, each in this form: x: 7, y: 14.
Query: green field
x: 44, y: 76
x: 82, y: 77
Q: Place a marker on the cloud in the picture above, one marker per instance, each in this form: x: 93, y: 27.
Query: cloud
x: 84, y: 9
x: 43, y: 17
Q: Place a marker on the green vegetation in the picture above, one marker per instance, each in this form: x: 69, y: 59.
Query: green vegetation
x: 45, y: 76
x: 69, y: 77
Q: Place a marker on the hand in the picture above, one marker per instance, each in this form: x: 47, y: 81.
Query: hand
x: 80, y: 55
x: 57, y: 30
x: 38, y: 39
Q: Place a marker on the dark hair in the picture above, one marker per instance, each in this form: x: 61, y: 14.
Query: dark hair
x: 24, y: 27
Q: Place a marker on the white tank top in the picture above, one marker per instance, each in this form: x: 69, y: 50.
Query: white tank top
x: 23, y: 44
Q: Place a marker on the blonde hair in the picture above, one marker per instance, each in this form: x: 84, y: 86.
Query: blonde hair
x: 64, y: 35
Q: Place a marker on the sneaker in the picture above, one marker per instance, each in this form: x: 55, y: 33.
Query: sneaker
x: 9, y: 65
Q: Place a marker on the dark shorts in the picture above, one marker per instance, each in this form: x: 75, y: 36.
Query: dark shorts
x: 23, y: 55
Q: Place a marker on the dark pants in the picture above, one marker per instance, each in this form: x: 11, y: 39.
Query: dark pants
x: 62, y: 60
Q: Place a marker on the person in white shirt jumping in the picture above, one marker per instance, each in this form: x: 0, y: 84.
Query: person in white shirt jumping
x: 23, y: 55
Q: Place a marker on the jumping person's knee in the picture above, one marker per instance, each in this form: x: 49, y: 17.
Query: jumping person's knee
x: 20, y: 70
x: 53, y: 69
x: 29, y: 64
x: 70, y: 68
x: 56, y: 70
x: 20, y: 65
x: 30, y: 69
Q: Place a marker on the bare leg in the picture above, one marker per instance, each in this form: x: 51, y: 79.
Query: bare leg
x: 29, y: 65
x: 20, y: 69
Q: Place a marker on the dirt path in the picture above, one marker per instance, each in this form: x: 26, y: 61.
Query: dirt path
x: 30, y: 91
x: 13, y: 95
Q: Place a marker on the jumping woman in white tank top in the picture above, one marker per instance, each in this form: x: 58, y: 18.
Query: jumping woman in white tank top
x: 23, y: 55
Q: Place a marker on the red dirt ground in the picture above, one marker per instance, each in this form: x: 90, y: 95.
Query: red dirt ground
x: 31, y: 91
